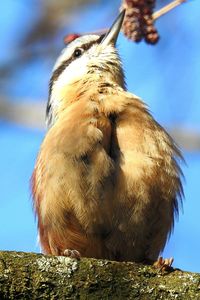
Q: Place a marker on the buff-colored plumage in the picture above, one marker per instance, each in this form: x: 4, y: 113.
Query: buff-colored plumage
x: 106, y: 180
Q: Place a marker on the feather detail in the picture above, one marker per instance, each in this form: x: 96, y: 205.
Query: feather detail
x: 107, y: 173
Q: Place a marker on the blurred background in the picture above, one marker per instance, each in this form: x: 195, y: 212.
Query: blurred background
x: 166, y: 76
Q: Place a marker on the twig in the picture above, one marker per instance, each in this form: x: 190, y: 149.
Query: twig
x: 156, y: 15
x: 167, y: 8
x: 99, y: 31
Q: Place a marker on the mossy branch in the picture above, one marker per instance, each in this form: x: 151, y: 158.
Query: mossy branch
x: 36, y: 276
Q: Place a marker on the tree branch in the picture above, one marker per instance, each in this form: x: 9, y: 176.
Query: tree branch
x: 35, y: 276
x: 167, y: 8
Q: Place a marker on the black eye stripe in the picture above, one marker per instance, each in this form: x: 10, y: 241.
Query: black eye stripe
x: 66, y: 63
x: 101, y: 38
x: 63, y: 66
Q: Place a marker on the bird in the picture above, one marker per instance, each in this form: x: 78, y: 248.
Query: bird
x: 107, y: 181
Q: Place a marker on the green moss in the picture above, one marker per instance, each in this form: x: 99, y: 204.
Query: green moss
x: 35, y: 276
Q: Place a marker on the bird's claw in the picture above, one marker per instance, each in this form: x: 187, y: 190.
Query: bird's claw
x: 164, y: 264
x: 72, y: 253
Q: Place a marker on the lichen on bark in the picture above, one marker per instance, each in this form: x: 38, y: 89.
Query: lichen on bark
x: 36, y: 276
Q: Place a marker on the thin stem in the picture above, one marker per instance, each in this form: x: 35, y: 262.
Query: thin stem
x: 164, y: 10
x: 98, y: 31
x: 167, y: 8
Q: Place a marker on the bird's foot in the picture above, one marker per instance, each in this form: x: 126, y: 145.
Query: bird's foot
x: 164, y: 264
x: 72, y: 253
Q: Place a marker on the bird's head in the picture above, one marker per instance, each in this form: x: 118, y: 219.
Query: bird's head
x: 82, y: 61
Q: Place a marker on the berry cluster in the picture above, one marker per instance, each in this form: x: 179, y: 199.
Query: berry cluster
x: 138, y: 21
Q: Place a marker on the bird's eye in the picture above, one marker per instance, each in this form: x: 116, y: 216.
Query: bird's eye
x: 78, y: 52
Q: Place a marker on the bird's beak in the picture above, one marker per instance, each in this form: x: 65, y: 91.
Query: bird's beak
x: 112, y: 35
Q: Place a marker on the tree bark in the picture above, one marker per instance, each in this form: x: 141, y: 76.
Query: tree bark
x: 36, y: 276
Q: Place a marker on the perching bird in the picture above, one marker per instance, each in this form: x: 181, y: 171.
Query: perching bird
x: 106, y: 183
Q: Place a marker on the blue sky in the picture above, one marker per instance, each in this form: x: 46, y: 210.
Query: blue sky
x: 166, y: 76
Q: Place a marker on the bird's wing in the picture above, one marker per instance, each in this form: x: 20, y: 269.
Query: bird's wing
x: 148, y: 176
